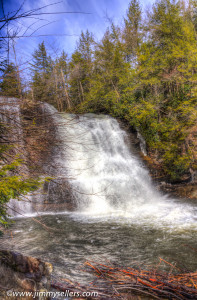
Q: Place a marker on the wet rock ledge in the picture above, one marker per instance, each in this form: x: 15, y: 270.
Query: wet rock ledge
x: 23, y: 273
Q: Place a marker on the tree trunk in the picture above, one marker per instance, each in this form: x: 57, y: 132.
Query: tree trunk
x: 81, y: 87
x: 56, y: 88
x: 18, y: 73
x: 65, y: 90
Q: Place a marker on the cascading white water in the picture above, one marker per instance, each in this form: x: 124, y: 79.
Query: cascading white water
x: 106, y: 176
x: 106, y: 179
x: 119, y: 215
x: 10, y: 116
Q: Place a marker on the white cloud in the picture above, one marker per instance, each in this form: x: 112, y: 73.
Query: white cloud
x: 71, y: 24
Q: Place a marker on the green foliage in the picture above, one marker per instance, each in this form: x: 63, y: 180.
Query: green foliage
x: 60, y: 75
x: 192, y: 12
x: 50, y: 78
x: 81, y: 68
x: 144, y: 72
x: 10, y: 84
x: 41, y: 68
x: 13, y: 186
x: 132, y: 30
x: 156, y: 90
x: 13, y: 183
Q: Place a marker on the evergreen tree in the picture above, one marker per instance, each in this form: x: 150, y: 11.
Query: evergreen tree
x: 144, y: 73
x: 41, y: 61
x: 10, y: 83
x: 168, y: 58
x: 42, y: 83
x: 167, y: 79
x: 132, y: 29
x: 192, y: 8
x: 60, y: 70
x: 111, y: 74
x: 81, y: 68
x: 157, y: 92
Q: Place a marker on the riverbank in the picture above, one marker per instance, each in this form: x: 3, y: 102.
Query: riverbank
x: 41, y: 152
x: 119, y: 215
x: 32, y: 277
x: 21, y: 273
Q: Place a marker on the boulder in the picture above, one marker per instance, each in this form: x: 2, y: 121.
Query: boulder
x: 23, y: 273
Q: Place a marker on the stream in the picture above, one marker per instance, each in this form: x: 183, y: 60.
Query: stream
x: 119, y: 215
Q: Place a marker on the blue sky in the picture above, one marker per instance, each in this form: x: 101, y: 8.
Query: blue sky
x: 65, y: 24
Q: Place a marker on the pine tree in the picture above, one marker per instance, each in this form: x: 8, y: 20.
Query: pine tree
x: 156, y: 90
x: 167, y: 79
x: 42, y: 83
x: 110, y: 74
x: 10, y: 84
x: 41, y: 61
x: 132, y: 29
x: 192, y: 9
x: 81, y: 68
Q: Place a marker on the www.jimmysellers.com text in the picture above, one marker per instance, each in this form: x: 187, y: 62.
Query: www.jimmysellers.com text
x: 66, y: 293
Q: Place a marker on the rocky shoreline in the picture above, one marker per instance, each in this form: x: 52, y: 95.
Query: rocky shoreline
x: 39, y: 138
x: 23, y: 273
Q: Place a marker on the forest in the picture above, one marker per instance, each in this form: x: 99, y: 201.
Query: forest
x: 98, y: 156
x: 143, y: 71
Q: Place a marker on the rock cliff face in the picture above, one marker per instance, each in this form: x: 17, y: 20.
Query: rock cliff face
x: 37, y: 138
x: 23, y: 273
x: 42, y: 143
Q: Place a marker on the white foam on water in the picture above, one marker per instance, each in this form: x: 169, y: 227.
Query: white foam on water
x: 111, y: 182
x: 108, y: 181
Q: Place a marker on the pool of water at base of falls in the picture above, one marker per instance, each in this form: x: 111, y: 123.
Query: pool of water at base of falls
x: 73, y: 238
x: 120, y: 217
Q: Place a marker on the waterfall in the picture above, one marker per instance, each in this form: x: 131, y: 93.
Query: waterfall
x: 142, y: 143
x: 106, y: 177
x: 10, y: 116
x: 96, y: 171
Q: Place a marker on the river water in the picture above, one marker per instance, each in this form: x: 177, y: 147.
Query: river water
x: 119, y: 215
